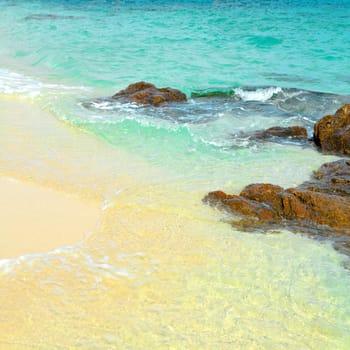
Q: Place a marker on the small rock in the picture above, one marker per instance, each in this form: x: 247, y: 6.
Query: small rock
x: 332, y: 132
x: 146, y: 93
x: 294, y: 132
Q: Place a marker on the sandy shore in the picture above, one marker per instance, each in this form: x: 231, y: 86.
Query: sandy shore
x: 63, y: 175
x: 37, y: 219
x: 44, y: 204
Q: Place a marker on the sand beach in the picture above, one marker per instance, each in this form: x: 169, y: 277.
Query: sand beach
x: 37, y: 219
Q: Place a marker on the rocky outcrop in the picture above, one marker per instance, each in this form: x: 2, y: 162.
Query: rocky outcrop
x: 332, y: 132
x: 292, y: 132
x: 323, y: 203
x: 148, y: 94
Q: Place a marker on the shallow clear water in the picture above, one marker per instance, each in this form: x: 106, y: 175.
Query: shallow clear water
x: 163, y: 270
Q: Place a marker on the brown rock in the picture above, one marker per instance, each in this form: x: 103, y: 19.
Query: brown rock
x: 320, y: 208
x: 295, y: 132
x: 332, y: 132
x: 332, y: 178
x: 265, y: 193
x: 322, y: 203
x: 238, y: 204
x: 146, y: 93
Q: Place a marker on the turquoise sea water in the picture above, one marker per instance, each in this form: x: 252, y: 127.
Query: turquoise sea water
x: 92, y: 50
x: 264, y: 53
x: 268, y: 63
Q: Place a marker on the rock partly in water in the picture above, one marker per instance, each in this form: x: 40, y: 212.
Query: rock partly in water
x: 332, y: 132
x: 291, y: 132
x: 321, y: 204
x: 147, y: 94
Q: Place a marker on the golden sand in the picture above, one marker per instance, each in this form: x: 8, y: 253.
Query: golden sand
x: 38, y: 210
x: 37, y: 219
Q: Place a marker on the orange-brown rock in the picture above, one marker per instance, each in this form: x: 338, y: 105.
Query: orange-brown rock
x: 238, y: 204
x: 332, y: 132
x: 146, y: 93
x: 323, y: 203
x: 264, y: 193
x: 294, y: 132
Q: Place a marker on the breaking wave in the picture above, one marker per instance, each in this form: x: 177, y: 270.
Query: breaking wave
x: 12, y: 83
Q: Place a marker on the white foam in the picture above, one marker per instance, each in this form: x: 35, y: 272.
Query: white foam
x: 260, y: 94
x: 104, y: 105
x: 6, y: 266
x: 65, y: 258
x: 9, y: 265
x: 13, y: 83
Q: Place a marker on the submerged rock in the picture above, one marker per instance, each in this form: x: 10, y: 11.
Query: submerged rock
x: 296, y: 135
x: 146, y: 93
x: 292, y: 132
x: 44, y: 16
x: 207, y: 93
x: 332, y: 132
x: 321, y: 204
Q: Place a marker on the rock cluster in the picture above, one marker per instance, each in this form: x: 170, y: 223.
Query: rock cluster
x: 147, y: 94
x: 331, y: 133
x: 321, y: 203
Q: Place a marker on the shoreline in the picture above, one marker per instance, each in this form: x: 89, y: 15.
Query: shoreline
x: 158, y: 255
x: 40, y: 209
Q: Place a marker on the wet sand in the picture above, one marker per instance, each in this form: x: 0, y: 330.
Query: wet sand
x: 35, y: 219
x: 38, y: 210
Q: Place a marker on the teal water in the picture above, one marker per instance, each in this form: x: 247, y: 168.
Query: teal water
x: 281, y: 51
x: 188, y: 45
x: 244, y: 65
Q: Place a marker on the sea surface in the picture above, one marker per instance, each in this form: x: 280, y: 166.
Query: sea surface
x: 162, y: 270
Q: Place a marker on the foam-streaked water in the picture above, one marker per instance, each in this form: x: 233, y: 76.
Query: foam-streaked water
x: 163, y: 270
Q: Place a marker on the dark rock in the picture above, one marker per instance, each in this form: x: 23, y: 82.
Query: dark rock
x: 41, y: 17
x: 323, y: 203
x: 332, y: 132
x: 294, y: 132
x: 148, y: 94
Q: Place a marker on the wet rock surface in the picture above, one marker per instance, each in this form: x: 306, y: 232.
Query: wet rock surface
x: 296, y: 135
x: 332, y: 132
x: 320, y: 205
x: 148, y: 94
x: 292, y: 132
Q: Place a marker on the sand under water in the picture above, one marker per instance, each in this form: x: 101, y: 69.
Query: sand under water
x: 159, y: 269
